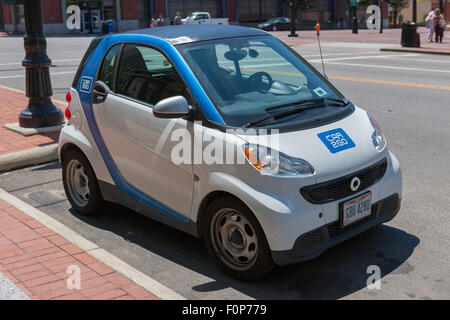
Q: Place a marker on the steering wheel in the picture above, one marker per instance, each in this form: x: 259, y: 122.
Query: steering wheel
x: 256, y: 81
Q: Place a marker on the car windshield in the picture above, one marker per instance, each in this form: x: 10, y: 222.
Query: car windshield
x: 272, y: 20
x: 250, y: 78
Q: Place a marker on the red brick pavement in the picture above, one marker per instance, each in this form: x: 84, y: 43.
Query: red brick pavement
x: 36, y: 259
x: 11, y: 104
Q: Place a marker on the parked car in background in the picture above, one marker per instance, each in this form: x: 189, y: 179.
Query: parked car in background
x: 276, y: 24
x: 204, y: 18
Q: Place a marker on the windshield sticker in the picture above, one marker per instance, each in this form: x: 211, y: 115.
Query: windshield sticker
x: 319, y: 91
x: 336, y: 140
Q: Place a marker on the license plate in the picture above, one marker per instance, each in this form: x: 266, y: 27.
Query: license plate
x: 356, y: 209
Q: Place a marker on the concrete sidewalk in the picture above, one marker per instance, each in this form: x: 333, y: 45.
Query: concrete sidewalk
x: 389, y: 39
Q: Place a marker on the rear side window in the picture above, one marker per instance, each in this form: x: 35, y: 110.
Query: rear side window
x: 107, y: 70
x: 94, y: 43
x: 147, y: 75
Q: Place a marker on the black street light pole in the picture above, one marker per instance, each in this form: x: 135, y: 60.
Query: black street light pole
x: 441, y: 6
x: 414, y: 13
x: 40, y: 112
x: 354, y: 20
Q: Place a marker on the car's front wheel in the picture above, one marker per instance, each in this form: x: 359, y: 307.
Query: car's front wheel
x: 235, y: 238
x: 80, y: 184
x: 274, y: 28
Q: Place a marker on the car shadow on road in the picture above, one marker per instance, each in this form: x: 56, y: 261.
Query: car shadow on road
x: 338, y: 272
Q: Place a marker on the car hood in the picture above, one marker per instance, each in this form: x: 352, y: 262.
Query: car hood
x: 307, y: 145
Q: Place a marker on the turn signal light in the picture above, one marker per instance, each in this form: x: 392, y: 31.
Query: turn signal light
x: 68, y: 97
x: 67, y: 114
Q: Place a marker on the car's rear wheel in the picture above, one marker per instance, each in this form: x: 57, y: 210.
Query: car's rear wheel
x: 80, y: 184
x: 274, y: 28
x: 235, y: 238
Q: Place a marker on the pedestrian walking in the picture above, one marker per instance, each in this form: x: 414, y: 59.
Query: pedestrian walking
x: 177, y: 19
x: 153, y: 22
x: 189, y: 19
x: 443, y: 25
x: 430, y: 25
x: 160, y: 21
x: 438, y: 26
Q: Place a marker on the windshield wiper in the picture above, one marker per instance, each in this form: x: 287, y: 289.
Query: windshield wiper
x: 299, y: 106
x: 329, y: 101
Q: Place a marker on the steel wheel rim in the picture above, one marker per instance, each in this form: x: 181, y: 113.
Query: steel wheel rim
x: 78, y: 183
x: 234, y: 239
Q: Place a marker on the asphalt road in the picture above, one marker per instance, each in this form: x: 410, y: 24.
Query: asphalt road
x: 409, y: 94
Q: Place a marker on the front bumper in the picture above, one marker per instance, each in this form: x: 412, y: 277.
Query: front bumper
x: 312, y: 244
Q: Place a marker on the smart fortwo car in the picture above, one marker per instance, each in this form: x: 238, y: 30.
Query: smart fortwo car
x: 228, y: 134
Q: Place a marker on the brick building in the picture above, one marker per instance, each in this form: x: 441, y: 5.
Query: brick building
x: 134, y: 14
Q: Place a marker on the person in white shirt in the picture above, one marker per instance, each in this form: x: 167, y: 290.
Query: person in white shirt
x: 430, y: 25
x: 189, y: 19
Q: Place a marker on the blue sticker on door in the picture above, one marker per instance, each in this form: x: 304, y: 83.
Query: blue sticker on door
x: 336, y: 140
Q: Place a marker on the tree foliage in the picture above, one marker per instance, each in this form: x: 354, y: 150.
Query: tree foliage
x: 300, y: 4
x: 398, y: 5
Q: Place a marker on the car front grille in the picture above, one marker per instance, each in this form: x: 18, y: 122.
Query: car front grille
x: 340, y: 188
x: 383, y: 208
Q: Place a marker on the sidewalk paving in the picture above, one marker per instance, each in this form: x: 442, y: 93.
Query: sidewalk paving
x: 390, y: 38
x: 36, y: 260
x: 11, y: 104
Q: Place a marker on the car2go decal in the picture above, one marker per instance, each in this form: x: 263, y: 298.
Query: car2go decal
x: 336, y: 140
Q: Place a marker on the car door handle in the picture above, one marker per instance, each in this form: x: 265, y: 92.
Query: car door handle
x: 100, y: 92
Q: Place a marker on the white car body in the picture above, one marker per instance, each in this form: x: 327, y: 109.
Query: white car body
x: 140, y: 147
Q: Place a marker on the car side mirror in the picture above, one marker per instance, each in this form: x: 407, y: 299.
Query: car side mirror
x: 100, y: 92
x: 173, y: 107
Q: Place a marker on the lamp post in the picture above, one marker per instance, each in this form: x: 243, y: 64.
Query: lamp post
x: 293, y: 17
x: 40, y: 112
x: 353, y: 4
x: 414, y: 13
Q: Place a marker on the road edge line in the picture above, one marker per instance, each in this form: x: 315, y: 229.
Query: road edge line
x: 93, y: 249
x: 64, y: 103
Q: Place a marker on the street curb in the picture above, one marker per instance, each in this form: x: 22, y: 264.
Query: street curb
x: 417, y: 51
x: 28, y: 157
x: 26, y: 132
x: 128, y: 271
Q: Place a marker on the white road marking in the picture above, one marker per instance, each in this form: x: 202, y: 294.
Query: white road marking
x: 365, y: 57
x: 102, y: 255
x: 387, y: 67
x: 51, y: 74
x: 21, y: 91
x: 20, y: 62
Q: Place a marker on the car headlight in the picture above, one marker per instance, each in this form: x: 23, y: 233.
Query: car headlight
x: 274, y: 163
x: 377, y: 136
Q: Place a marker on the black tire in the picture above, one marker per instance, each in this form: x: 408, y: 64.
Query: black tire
x: 94, y: 203
x: 261, y: 264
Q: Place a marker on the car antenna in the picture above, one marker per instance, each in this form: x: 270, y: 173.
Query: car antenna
x: 317, y: 27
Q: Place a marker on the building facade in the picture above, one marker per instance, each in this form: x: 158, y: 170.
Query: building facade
x: 134, y: 14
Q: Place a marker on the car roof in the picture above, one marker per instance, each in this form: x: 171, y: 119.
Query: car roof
x: 198, y: 32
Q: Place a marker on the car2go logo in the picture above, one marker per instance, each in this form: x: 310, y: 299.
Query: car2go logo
x: 336, y: 140
x: 86, y: 83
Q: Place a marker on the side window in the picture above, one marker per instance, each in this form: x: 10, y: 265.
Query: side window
x: 107, y: 70
x: 145, y: 74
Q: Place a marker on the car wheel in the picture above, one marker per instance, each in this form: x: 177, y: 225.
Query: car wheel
x: 234, y: 237
x: 274, y: 28
x: 80, y: 184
